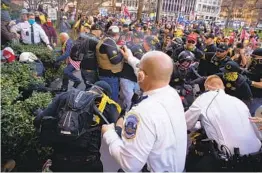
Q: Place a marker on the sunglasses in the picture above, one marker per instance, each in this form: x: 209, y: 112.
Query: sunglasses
x: 191, y: 41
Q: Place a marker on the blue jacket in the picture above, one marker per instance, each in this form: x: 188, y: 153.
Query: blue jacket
x: 66, y: 54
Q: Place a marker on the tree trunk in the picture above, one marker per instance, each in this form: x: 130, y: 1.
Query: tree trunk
x: 140, y: 9
x: 77, y: 8
x: 59, y: 15
x: 230, y: 13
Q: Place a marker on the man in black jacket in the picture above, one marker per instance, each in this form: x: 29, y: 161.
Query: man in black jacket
x: 81, y: 154
x: 190, y: 45
x: 88, y: 65
x: 209, y: 51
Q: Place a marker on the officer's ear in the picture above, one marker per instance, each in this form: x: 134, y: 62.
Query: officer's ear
x: 140, y: 76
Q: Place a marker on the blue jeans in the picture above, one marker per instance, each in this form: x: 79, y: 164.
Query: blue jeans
x: 89, y: 77
x: 127, y: 90
x: 68, y: 74
x: 253, y: 105
x: 114, y: 84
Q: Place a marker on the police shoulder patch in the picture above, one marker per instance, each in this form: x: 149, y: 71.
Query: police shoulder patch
x: 131, y: 123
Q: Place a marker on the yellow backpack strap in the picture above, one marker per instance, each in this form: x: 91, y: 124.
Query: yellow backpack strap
x: 102, y: 105
x: 104, y: 101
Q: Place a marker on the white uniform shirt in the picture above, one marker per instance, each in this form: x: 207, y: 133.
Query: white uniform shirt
x: 25, y: 29
x: 225, y: 120
x: 154, y: 132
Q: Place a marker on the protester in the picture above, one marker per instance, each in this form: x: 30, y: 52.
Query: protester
x: 50, y: 32
x: 81, y: 154
x: 110, y: 60
x: 6, y: 35
x: 72, y: 65
x: 64, y: 26
x: 89, y: 63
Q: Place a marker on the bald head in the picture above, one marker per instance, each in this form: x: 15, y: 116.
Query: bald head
x: 157, y: 65
x: 214, y: 82
x: 63, y: 36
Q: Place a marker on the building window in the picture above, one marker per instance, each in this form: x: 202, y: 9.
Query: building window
x: 199, y: 7
x: 204, y: 9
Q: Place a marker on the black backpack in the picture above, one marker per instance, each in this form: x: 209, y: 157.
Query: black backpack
x: 73, y: 120
x: 76, y: 52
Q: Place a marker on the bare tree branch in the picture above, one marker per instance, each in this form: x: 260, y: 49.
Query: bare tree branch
x: 96, y: 6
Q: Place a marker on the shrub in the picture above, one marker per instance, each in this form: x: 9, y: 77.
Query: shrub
x: 47, y: 56
x: 19, y: 139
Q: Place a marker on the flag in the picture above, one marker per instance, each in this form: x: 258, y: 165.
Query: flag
x: 126, y: 12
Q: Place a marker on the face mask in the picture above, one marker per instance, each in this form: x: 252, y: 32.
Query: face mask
x: 31, y: 21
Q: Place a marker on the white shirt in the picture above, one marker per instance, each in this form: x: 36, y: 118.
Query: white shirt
x: 225, y: 120
x: 154, y: 132
x: 25, y: 29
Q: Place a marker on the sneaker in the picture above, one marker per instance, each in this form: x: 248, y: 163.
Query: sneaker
x: 76, y: 84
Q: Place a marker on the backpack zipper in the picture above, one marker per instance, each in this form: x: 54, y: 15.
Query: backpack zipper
x: 69, y: 118
x: 65, y: 119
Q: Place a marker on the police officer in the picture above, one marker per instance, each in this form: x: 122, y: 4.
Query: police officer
x: 150, y: 132
x: 219, y: 60
x: 225, y: 120
x: 88, y: 65
x: 128, y: 82
x: 209, y: 53
x: 31, y: 32
x: 235, y: 83
x: 255, y: 79
x: 110, y: 60
x: 82, y: 154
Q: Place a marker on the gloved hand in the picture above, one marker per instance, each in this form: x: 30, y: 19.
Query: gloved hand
x: 49, y: 47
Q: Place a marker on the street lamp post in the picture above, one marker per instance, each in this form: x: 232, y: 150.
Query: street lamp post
x: 158, y: 10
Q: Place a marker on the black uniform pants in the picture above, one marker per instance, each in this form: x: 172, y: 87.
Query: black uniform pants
x: 201, y: 164
x: 91, y: 163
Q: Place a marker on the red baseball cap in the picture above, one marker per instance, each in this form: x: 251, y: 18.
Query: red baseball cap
x: 9, y: 54
x: 192, y: 37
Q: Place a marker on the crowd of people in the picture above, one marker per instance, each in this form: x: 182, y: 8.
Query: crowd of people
x: 165, y: 77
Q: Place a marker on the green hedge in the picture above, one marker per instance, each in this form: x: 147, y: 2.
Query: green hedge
x: 47, y: 56
x: 18, y: 135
